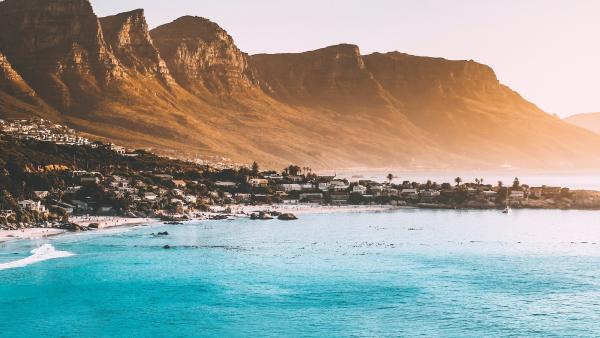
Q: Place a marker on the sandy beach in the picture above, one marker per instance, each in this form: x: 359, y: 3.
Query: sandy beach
x: 106, y: 222
x: 298, y: 209
x: 30, y: 233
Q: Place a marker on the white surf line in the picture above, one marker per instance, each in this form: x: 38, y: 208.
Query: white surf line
x: 43, y: 253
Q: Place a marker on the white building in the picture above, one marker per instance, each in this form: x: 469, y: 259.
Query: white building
x: 291, y: 187
x: 150, y: 196
x: 361, y: 189
x: 30, y: 205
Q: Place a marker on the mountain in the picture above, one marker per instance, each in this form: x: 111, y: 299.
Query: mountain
x: 128, y: 36
x: 59, y: 50
x: 203, y: 56
x: 589, y: 121
x: 186, y: 90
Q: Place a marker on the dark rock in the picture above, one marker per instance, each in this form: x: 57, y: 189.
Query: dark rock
x: 287, y: 217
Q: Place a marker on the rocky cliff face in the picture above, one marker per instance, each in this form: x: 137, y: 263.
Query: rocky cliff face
x: 409, y: 77
x: 11, y: 82
x: 59, y: 49
x: 334, y: 76
x: 202, y: 56
x: 128, y: 36
x: 17, y: 98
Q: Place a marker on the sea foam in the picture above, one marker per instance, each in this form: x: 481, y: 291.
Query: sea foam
x: 43, y: 253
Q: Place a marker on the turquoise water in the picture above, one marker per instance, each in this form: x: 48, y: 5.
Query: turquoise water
x: 402, y: 273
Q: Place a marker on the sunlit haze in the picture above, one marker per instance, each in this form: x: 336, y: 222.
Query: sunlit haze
x: 545, y: 50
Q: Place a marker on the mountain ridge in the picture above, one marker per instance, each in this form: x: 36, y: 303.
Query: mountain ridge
x: 588, y: 121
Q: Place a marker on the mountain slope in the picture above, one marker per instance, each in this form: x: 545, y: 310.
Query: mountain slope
x: 589, y: 121
x: 462, y: 105
x: 185, y: 89
x: 17, y: 98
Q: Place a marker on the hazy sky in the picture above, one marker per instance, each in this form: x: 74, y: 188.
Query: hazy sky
x: 548, y: 50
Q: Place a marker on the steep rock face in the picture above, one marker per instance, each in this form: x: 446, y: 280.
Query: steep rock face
x: 335, y: 77
x: 420, y: 82
x: 202, y: 56
x: 128, y: 36
x: 409, y: 77
x: 17, y: 98
x: 58, y: 48
x: 11, y: 82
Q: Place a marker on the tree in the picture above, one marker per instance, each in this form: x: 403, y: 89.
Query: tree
x: 390, y: 177
x: 428, y: 184
x: 458, y: 181
x: 293, y: 170
x: 516, y: 183
x: 477, y: 181
x: 255, y: 168
x: 500, y: 184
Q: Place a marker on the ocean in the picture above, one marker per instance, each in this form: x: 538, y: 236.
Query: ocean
x: 403, y: 273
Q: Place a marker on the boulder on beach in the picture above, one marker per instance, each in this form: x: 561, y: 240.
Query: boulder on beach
x: 167, y: 246
x: 287, y: 217
x: 261, y: 216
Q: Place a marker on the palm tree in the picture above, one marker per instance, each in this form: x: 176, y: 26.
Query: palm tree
x: 516, y: 183
x: 458, y: 181
x: 481, y: 181
x: 477, y: 181
x: 390, y: 177
x: 500, y: 184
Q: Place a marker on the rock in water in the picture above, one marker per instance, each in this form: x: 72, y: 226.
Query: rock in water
x: 287, y: 217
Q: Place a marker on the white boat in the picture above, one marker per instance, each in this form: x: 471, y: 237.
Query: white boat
x: 507, y: 210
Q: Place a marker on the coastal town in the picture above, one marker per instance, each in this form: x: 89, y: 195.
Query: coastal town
x: 50, y: 177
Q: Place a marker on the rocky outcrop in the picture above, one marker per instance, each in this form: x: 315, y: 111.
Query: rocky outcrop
x: 17, y: 98
x: 11, y: 82
x: 335, y: 77
x: 59, y: 49
x: 202, y: 56
x: 128, y: 36
x: 287, y: 217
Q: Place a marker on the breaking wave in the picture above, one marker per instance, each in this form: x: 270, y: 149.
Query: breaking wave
x: 43, y: 253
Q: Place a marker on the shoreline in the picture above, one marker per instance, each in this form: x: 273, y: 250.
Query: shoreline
x: 237, y: 211
x: 104, y: 223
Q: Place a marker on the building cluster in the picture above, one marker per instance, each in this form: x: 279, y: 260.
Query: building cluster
x: 174, y: 189
x: 42, y: 130
x: 147, y: 193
